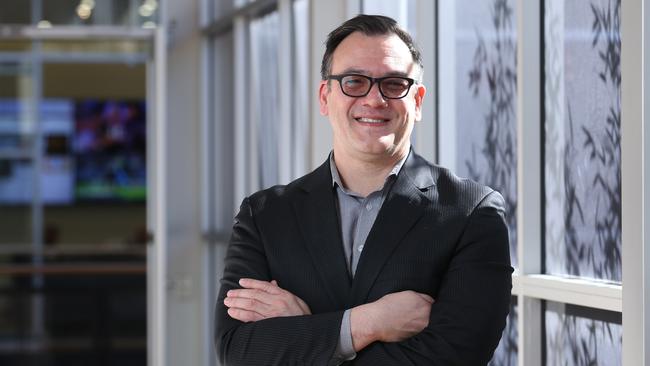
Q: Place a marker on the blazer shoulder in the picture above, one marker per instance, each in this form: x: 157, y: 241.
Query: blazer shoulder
x: 283, y: 193
x: 466, y: 193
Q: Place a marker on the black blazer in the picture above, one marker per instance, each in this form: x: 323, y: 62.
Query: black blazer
x: 435, y: 234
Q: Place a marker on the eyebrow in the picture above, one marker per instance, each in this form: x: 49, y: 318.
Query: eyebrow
x: 365, y: 72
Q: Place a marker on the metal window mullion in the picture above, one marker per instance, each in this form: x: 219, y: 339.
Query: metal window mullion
x: 157, y: 254
x: 446, y: 102
x: 208, y: 187
x: 426, y: 139
x: 253, y: 121
x: 76, y: 33
x: 286, y: 77
x: 529, y: 205
x: 576, y: 291
x: 241, y: 156
x: 635, y: 44
x: 151, y: 208
x: 38, y: 151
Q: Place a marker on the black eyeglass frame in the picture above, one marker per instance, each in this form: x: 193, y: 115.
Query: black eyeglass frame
x: 372, y: 80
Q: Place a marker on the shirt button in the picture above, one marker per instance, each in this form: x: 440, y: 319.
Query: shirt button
x: 360, y: 248
x: 369, y: 207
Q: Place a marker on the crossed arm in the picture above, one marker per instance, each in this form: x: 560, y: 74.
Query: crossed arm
x: 258, y: 322
x: 393, y: 318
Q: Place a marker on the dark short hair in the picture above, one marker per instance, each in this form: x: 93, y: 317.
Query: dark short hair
x: 369, y: 25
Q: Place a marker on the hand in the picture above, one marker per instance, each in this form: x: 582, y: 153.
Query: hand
x: 393, y: 318
x: 259, y: 300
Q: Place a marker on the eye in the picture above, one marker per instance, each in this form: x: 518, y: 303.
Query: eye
x: 354, y: 82
x: 395, y: 84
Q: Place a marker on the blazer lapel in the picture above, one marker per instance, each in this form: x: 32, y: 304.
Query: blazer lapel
x: 318, y: 222
x: 403, y: 206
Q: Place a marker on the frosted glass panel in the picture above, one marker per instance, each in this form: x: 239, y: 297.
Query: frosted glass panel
x: 577, y: 336
x: 506, y: 352
x: 478, y: 92
x: 582, y: 147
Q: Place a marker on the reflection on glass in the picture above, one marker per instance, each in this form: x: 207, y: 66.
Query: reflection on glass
x: 16, y: 156
x: 264, y: 35
x: 582, y: 147
x: 506, y: 352
x: 100, y: 12
x: 582, y: 336
x: 485, y: 101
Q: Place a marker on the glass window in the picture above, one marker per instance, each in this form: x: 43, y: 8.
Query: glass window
x: 582, y: 138
x: 264, y: 34
x: 403, y: 11
x: 301, y: 93
x: 17, y: 175
x: 222, y: 8
x: 100, y: 12
x: 582, y: 336
x: 506, y: 352
x: 478, y: 96
x: 73, y: 200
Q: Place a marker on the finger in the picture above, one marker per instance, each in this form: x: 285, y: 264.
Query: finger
x: 246, y: 304
x: 275, y: 282
x: 244, y: 315
x: 258, y: 295
x: 259, y: 285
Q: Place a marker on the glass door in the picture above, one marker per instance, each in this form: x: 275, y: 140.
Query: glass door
x: 73, y: 203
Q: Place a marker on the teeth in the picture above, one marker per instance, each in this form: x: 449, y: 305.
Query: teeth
x: 369, y: 120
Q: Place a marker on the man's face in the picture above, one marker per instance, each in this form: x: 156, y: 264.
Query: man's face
x: 372, y: 126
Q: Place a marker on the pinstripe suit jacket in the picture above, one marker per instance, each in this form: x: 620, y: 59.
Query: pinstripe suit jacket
x: 435, y: 234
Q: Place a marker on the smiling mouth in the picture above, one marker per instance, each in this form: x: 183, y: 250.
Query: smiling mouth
x: 371, y: 120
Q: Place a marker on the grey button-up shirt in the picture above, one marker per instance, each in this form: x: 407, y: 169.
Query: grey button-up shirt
x: 357, y: 214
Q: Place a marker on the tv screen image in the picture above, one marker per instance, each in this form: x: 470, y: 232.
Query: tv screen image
x: 110, y: 150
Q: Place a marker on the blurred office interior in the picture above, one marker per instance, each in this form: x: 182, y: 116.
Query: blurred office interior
x: 130, y: 131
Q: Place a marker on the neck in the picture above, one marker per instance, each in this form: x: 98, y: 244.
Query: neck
x: 364, y: 176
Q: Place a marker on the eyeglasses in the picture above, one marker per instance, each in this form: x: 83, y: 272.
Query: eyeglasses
x: 390, y: 87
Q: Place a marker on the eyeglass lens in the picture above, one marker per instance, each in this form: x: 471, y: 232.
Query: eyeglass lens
x: 357, y: 86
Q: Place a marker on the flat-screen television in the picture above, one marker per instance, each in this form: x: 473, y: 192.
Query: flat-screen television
x: 109, y: 148
x: 93, y: 150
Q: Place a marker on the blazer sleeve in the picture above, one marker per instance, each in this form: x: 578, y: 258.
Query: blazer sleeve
x: 296, y: 340
x: 469, y: 313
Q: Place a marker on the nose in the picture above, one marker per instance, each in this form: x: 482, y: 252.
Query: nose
x: 374, y: 97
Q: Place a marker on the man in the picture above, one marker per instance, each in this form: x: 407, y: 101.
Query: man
x: 344, y: 263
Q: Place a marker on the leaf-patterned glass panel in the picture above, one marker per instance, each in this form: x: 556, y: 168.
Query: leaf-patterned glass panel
x: 579, y: 336
x: 478, y: 96
x: 506, y: 352
x: 582, y: 138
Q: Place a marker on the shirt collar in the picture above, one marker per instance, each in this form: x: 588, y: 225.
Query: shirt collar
x: 336, y: 178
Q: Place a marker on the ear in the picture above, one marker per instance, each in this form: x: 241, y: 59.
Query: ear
x: 419, y: 98
x: 323, y: 92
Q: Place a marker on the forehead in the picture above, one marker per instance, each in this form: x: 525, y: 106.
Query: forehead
x: 372, y: 54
